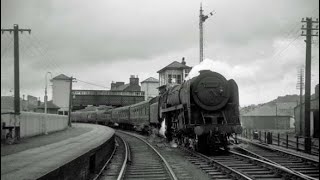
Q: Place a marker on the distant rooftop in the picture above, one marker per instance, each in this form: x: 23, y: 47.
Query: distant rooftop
x: 50, y: 105
x: 150, y: 79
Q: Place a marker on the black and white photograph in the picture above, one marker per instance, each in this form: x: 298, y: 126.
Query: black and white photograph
x: 159, y: 89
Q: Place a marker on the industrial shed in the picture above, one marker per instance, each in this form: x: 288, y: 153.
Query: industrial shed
x: 265, y: 122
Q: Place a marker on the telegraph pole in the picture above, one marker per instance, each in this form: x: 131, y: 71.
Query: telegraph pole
x: 309, y: 33
x: 16, y: 31
x: 70, y: 101
x: 300, y: 85
x: 202, y: 19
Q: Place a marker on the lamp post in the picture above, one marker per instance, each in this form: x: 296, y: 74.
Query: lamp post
x: 45, y: 102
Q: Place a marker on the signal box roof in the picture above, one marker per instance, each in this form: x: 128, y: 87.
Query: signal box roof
x: 174, y: 65
x: 150, y: 79
x: 61, y: 77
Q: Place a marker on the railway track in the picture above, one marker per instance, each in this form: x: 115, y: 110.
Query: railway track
x: 238, y: 166
x: 134, y: 158
x: 144, y: 161
x: 115, y: 164
x: 307, y: 167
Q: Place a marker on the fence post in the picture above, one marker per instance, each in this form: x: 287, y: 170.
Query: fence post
x: 297, y: 137
x: 287, y: 141
x: 265, y: 137
x: 247, y: 133
x: 278, y: 139
x: 259, y: 135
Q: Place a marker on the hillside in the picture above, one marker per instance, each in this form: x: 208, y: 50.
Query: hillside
x: 283, y: 105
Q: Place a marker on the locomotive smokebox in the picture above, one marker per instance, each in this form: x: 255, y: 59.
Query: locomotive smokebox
x: 210, y: 90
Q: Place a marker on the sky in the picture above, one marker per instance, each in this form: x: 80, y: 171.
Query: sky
x: 256, y: 43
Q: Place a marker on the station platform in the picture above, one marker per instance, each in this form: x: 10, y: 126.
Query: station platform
x: 36, y: 157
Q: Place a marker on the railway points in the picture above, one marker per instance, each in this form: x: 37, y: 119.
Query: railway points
x: 59, y: 159
x: 301, y: 163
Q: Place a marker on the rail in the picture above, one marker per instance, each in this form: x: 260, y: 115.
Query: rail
x: 238, y: 173
x: 104, y: 166
x: 303, y: 165
x: 123, y: 167
x: 167, y: 166
x: 276, y: 166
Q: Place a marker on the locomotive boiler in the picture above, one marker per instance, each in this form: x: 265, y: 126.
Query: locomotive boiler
x: 202, y: 112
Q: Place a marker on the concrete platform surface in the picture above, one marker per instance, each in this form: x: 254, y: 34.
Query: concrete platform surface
x: 35, y: 162
x: 41, y: 140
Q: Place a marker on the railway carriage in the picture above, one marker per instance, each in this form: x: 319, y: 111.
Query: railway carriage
x: 140, y: 115
x: 202, y: 112
x: 121, y: 117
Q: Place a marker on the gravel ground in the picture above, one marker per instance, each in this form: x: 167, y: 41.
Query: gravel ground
x: 37, y: 141
x: 175, y: 157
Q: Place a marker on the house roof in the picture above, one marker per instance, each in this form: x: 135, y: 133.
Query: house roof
x: 50, y: 105
x: 61, y: 77
x: 121, y: 88
x: 174, y: 65
x: 150, y: 79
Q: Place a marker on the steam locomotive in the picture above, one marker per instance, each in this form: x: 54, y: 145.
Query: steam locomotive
x: 201, y: 113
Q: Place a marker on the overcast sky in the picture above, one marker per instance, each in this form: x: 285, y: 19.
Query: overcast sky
x: 256, y: 43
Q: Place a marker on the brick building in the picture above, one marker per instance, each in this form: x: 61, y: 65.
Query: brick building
x: 132, y: 86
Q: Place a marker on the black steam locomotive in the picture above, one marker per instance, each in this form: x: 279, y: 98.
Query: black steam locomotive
x: 204, y: 109
x: 201, y: 113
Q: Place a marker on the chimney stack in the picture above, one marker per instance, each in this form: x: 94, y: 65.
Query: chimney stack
x: 183, y: 61
x: 39, y: 102
x: 134, y: 80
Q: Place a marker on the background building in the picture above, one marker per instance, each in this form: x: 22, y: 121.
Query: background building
x: 61, y: 93
x: 51, y: 108
x: 270, y: 116
x: 132, y: 86
x: 30, y: 104
x: 314, y: 116
x: 174, y: 73
x: 121, y: 94
x: 149, y: 86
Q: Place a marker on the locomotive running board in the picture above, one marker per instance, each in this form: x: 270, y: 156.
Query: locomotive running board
x: 173, y: 108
